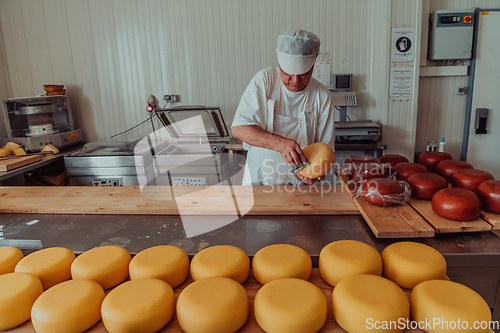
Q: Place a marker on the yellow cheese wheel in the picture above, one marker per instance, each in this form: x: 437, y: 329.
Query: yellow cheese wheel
x: 321, y: 159
x: 142, y: 306
x: 106, y: 265
x: 290, y: 305
x: 221, y: 260
x: 9, y: 257
x: 370, y: 303
x: 71, y: 306
x: 11, y: 146
x: 409, y: 263
x: 344, y: 258
x: 165, y: 262
x: 281, y: 261
x: 52, y: 265
x: 4, y: 152
x: 212, y: 305
x: 452, y: 306
x: 18, y: 151
x: 18, y: 292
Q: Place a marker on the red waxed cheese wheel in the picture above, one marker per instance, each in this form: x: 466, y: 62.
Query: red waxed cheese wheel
x: 360, y: 159
x: 489, y: 193
x: 430, y: 159
x: 470, y: 178
x: 425, y: 185
x: 366, y: 171
x: 456, y: 204
x: 405, y: 170
x: 446, y: 168
x: 392, y: 159
x: 383, y: 192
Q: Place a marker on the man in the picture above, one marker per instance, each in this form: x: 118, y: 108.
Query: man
x: 282, y: 111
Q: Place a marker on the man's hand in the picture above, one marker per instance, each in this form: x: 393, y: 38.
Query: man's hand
x: 310, y: 181
x: 291, y: 152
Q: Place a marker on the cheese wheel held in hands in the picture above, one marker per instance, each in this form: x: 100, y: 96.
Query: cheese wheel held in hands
x: 321, y: 159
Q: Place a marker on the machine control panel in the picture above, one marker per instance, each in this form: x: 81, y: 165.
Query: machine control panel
x: 347, y: 98
x: 189, y: 181
x: 107, y: 182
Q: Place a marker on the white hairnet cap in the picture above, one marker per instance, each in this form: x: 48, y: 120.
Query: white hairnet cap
x: 297, y: 51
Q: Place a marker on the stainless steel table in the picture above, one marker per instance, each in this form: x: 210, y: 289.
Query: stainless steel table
x: 473, y: 258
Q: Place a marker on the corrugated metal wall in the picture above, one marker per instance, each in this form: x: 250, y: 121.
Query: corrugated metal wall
x: 441, y: 112
x: 112, y: 55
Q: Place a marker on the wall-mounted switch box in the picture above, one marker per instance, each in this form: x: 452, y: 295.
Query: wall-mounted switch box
x: 481, y: 120
x: 461, y: 90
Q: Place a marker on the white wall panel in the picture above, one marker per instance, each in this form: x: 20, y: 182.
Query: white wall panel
x: 441, y: 111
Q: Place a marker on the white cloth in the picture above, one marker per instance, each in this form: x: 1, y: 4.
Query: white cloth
x: 305, y: 116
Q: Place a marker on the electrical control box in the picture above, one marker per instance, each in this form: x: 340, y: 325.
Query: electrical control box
x: 450, y: 34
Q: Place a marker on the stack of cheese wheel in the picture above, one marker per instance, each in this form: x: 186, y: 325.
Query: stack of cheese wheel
x: 71, y: 306
x: 141, y: 305
x: 165, y: 262
x: 470, y: 178
x: 290, y: 305
x: 383, y: 192
x: 446, y: 168
x: 214, y: 304
x: 52, y: 265
x: 345, y: 258
x: 9, y: 257
x: 221, y: 260
x: 431, y: 159
x: 408, y: 264
x: 106, y: 265
x: 489, y: 193
x: 281, y: 261
x: 405, y: 170
x: 450, y: 306
x: 362, y: 300
x: 457, y: 204
x: 321, y: 159
x: 425, y: 185
x: 18, y: 292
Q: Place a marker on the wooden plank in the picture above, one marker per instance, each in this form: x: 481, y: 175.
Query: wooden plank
x: 388, y: 222
x: 442, y: 225
x: 158, y: 200
x: 399, y: 221
x: 493, y: 219
x: 11, y: 163
x: 252, y: 286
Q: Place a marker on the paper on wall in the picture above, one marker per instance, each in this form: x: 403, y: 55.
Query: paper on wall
x: 321, y: 71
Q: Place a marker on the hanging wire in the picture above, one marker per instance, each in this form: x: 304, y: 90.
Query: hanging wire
x: 128, y: 130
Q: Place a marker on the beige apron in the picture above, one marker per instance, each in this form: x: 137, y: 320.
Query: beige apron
x: 268, y: 167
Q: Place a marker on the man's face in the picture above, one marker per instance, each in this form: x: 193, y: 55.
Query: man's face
x: 295, y: 82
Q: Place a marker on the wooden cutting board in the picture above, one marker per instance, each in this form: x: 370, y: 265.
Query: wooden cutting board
x: 210, y: 200
x: 442, y: 225
x: 252, y: 286
x: 389, y: 222
x: 7, y: 164
x: 493, y: 219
